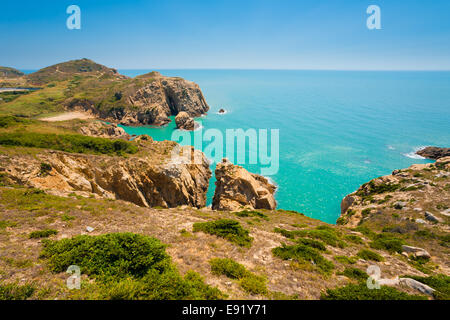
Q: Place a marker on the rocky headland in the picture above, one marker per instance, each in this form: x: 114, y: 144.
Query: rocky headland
x: 434, y: 153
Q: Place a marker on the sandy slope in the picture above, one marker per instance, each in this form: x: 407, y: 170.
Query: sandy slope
x: 69, y: 116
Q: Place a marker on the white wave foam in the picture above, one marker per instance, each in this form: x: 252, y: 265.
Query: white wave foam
x: 414, y: 155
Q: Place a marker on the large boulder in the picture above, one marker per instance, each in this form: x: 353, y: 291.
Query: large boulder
x: 236, y: 188
x: 184, y: 121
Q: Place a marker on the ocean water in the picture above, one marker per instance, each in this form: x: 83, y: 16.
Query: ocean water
x: 338, y: 129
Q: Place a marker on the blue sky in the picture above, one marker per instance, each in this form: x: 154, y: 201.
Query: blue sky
x: 245, y: 34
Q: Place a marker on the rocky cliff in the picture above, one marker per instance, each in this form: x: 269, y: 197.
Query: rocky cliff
x: 434, y: 152
x: 147, y: 180
x: 419, y: 192
x: 236, y: 188
x: 148, y: 99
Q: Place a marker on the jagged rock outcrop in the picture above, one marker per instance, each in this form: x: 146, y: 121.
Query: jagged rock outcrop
x: 150, y: 100
x: 410, y: 189
x: 104, y: 130
x: 153, y: 179
x: 434, y: 152
x: 184, y: 121
x: 237, y: 188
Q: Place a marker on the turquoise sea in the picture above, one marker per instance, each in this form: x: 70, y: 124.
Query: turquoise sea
x: 338, y: 129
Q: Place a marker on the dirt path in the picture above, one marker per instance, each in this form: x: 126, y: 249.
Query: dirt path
x: 69, y: 116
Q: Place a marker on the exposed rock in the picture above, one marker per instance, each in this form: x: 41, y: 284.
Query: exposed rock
x: 89, y: 229
x: 420, y: 221
x: 431, y: 217
x: 221, y: 111
x: 434, y: 152
x: 418, y: 252
x: 151, y: 180
x: 346, y: 203
x: 184, y: 121
x: 237, y: 188
x: 151, y: 102
x: 416, y: 285
x: 104, y: 130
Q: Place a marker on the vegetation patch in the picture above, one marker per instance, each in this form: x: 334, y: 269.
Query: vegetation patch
x: 248, y: 281
x: 369, y: 255
x: 251, y: 213
x: 345, y: 259
x: 227, y: 229
x: 304, y: 254
x: 74, y: 143
x: 43, y: 233
x: 361, y: 292
x: 126, y: 266
x: 355, y: 273
x: 15, y: 291
x: 388, y: 242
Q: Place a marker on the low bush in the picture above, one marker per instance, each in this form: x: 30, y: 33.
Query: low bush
x: 361, y: 292
x: 254, y: 284
x: 305, y: 254
x: 248, y: 281
x: 74, y: 143
x: 227, y: 267
x: 251, y: 213
x: 43, y: 233
x: 345, y: 259
x: 369, y: 255
x: 227, y: 229
x: 388, y: 242
x: 126, y: 266
x: 15, y: 291
x: 355, y: 273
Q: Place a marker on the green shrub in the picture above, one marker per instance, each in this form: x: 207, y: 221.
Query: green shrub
x: 43, y: 233
x: 361, y: 292
x: 115, y: 254
x: 345, y: 259
x: 355, y: 273
x: 126, y: 266
x: 75, y: 143
x: 14, y: 291
x: 227, y: 267
x: 254, y: 284
x: 9, y: 121
x: 312, y: 243
x: 305, y: 254
x: 354, y: 238
x: 388, y: 242
x: 250, y: 282
x: 325, y: 233
x: 369, y: 255
x: 251, y: 213
x: 366, y: 231
x: 227, y: 229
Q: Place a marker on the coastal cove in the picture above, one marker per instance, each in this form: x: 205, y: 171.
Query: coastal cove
x: 338, y: 129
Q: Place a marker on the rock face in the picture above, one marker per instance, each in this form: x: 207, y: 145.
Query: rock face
x: 103, y: 130
x: 151, y: 180
x: 434, y: 152
x: 184, y: 121
x: 149, y: 103
x: 407, y: 192
x: 236, y: 188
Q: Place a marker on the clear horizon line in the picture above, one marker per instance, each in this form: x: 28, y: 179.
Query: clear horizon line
x: 274, y: 69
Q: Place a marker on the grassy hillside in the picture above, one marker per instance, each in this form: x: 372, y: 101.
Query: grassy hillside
x: 9, y: 73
